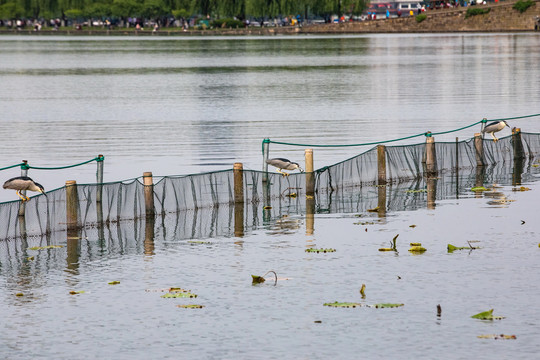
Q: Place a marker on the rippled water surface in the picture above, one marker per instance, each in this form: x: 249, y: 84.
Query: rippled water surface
x: 178, y: 106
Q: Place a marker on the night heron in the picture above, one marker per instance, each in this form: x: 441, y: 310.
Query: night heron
x: 284, y: 164
x: 495, y: 126
x: 24, y: 183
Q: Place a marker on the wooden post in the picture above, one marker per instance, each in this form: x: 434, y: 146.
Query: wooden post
x: 519, y: 155
x: 457, y: 167
x: 431, y: 156
x: 431, y: 187
x: 310, y: 215
x: 381, y: 165
x: 266, y: 150
x: 381, y: 180
x: 99, y: 177
x: 238, y: 171
x: 24, y: 172
x: 149, y: 236
x: 479, y: 147
x: 310, y: 176
x: 72, y: 205
x: 148, y: 183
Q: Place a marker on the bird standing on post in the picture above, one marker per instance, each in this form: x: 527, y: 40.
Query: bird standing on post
x: 284, y: 164
x: 24, y: 183
x: 494, y: 127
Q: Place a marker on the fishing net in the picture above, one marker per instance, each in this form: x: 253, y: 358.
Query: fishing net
x: 203, y: 205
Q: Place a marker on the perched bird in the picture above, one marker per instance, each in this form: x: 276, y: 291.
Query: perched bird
x: 494, y: 127
x: 24, y: 183
x: 284, y: 164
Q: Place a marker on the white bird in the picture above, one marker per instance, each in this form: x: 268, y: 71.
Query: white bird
x: 494, y: 127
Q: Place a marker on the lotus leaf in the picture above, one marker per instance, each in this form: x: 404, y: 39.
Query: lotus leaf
x: 498, y: 337
x: 487, y: 315
x: 191, y: 306
x: 311, y: 250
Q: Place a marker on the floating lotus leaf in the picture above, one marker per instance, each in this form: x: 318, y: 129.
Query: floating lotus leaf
x: 535, y: 165
x: 412, y: 226
x: 191, y: 306
x: 76, y: 292
x: 479, y: 189
x: 257, y: 279
x: 178, y: 294
x: 364, y: 223
x: 293, y: 195
x: 30, y: 258
x: 418, y: 249
x: 312, y: 250
x: 114, y: 282
x: 46, y: 247
x: 260, y: 279
x: 375, y: 209
x: 343, y: 304
x: 417, y: 191
x: 487, y: 315
x: 19, y: 294
x: 354, y: 305
x: 416, y: 244
x: 498, y: 337
x: 267, y: 207
x: 522, y: 188
x: 385, y: 305
x: 199, y: 242
x: 386, y: 249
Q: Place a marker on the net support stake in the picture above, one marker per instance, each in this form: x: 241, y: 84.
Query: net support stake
x: 24, y: 172
x: 310, y: 176
x: 148, y: 183
x: 72, y: 205
x: 381, y: 165
x: 479, y: 149
x: 519, y: 155
x: 238, y: 174
x: 431, y: 157
x: 266, y: 150
x: 99, y: 178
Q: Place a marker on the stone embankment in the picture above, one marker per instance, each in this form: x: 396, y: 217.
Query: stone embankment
x: 501, y: 18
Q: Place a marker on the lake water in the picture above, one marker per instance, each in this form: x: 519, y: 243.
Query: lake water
x: 178, y: 106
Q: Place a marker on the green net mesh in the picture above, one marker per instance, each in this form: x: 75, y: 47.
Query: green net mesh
x: 202, y: 205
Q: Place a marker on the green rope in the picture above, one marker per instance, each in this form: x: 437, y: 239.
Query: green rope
x: 427, y: 134
x: 97, y: 158
x: 516, y: 117
x: 12, y: 166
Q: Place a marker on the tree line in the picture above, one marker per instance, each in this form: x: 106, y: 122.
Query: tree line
x: 179, y: 9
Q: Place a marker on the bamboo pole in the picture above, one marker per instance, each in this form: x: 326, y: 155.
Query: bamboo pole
x: 72, y: 205
x: 148, y: 183
x: 266, y: 151
x: 431, y: 157
x: 381, y: 165
x: 238, y: 174
x: 519, y: 155
x: 24, y: 172
x: 479, y: 147
x: 310, y: 176
x: 99, y: 178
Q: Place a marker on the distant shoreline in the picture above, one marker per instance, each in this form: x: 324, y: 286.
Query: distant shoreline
x: 500, y: 18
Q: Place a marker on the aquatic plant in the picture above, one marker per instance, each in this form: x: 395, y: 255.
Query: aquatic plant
x: 487, y: 315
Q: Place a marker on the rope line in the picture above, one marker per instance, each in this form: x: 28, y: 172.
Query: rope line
x: 25, y: 166
x: 427, y: 134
